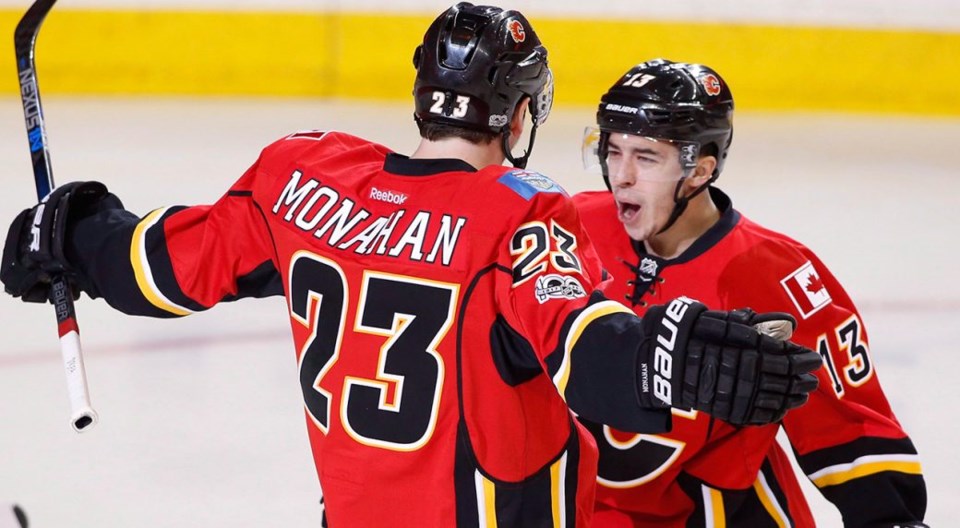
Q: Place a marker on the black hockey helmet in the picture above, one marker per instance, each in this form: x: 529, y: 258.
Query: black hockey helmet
x: 687, y: 104
x: 676, y: 101
x: 474, y: 67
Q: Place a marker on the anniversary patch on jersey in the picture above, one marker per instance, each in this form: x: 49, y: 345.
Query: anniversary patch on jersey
x: 808, y: 293
x: 555, y: 286
x: 528, y: 183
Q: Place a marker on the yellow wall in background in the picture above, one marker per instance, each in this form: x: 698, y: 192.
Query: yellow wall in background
x: 370, y: 56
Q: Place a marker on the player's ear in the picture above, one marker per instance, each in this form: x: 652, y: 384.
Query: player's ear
x: 519, y: 116
x: 703, y: 172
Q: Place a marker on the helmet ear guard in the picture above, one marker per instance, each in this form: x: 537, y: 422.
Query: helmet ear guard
x: 475, y: 66
x: 539, y: 105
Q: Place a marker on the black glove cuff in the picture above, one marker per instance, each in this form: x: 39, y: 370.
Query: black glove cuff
x: 664, y: 353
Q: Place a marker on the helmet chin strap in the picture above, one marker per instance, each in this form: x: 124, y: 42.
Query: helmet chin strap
x: 519, y: 162
x: 680, y: 202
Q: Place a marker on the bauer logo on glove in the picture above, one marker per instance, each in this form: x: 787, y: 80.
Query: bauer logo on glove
x: 722, y: 364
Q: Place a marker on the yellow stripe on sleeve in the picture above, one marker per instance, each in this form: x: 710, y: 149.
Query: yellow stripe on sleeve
x: 558, y: 477
x: 141, y: 267
x: 592, y: 313
x: 865, y: 466
x: 486, y: 500
x: 714, y: 514
x: 769, y: 501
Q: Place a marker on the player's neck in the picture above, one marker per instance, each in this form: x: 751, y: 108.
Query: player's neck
x: 479, y: 156
x: 701, y: 214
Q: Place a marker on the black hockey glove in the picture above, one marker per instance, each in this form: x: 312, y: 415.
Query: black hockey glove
x: 34, y: 250
x: 720, y: 363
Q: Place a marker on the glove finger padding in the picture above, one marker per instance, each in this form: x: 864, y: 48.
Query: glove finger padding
x: 17, y: 280
x: 34, y: 249
x: 61, y: 208
x: 720, y: 363
x: 784, y: 379
x: 779, y: 325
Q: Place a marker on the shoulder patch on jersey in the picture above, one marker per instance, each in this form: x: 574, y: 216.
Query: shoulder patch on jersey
x: 315, y: 135
x: 555, y: 286
x: 528, y: 183
x: 807, y: 291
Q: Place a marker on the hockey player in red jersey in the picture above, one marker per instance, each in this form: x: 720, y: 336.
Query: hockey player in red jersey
x: 447, y: 311
x: 663, y: 230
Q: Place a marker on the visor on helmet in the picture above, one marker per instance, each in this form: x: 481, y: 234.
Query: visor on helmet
x: 595, y: 153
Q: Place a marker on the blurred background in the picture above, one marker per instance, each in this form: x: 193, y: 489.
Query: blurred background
x: 848, y: 112
x: 849, y: 55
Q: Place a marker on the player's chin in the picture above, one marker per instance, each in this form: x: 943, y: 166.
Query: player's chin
x: 638, y: 229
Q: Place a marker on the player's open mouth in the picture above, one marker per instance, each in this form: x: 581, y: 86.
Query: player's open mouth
x: 627, y: 211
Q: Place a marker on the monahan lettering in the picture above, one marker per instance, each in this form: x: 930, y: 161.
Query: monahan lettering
x: 420, y: 236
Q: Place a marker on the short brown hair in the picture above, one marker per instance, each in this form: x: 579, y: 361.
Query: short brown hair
x: 434, y: 131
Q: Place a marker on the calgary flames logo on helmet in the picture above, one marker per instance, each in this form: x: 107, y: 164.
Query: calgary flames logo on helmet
x: 516, y: 31
x: 711, y: 84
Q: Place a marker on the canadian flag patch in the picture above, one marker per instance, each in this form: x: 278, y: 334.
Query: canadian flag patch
x: 808, y: 293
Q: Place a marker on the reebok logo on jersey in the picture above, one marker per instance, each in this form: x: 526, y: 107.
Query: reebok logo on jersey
x: 808, y: 293
x: 388, y: 196
x: 320, y: 211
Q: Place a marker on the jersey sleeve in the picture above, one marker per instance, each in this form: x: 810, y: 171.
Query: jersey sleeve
x: 179, y: 260
x: 847, y: 439
x: 552, y: 295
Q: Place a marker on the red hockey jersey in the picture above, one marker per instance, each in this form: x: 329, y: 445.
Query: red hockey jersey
x: 444, y: 318
x: 707, y: 473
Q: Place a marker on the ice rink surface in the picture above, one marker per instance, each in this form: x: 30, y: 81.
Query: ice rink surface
x: 201, y: 418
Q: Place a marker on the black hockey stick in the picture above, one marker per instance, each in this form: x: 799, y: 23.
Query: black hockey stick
x: 20, y: 516
x: 24, y: 41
